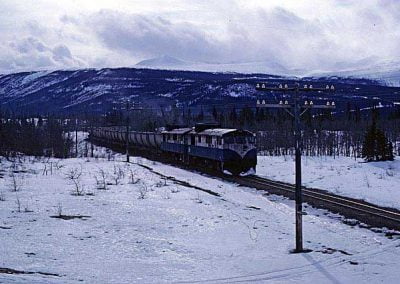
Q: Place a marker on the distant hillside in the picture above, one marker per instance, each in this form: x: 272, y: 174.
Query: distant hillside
x: 100, y: 90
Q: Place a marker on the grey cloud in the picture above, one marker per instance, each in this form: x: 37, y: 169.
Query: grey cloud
x: 148, y: 36
x: 61, y: 52
x: 32, y: 54
x: 29, y: 44
x: 226, y: 31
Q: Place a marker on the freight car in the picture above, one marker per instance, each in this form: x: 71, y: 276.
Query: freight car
x: 230, y: 151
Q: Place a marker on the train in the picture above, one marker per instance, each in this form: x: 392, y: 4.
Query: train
x: 227, y: 150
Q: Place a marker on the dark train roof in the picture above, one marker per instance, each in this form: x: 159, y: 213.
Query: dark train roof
x: 224, y: 132
x: 179, y: 131
x: 210, y: 132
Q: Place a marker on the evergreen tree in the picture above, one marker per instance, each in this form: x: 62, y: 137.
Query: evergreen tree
x: 376, y: 146
x: 368, y: 148
x: 390, y: 155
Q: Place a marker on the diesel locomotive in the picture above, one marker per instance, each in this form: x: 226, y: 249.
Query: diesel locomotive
x: 231, y: 151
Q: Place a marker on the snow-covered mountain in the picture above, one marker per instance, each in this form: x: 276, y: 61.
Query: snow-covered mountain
x: 163, y: 61
x: 266, y: 66
x: 386, y: 72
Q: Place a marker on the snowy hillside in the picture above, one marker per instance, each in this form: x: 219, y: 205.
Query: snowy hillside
x: 100, y: 90
x: 154, y: 223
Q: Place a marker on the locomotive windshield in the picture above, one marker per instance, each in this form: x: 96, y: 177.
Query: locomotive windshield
x: 239, y: 140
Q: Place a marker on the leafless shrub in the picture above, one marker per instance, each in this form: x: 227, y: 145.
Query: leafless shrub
x: 167, y: 194
x: 162, y: 182
x: 132, y: 179
x: 110, y: 156
x: 101, y: 180
x: 74, y: 175
x: 118, y: 174
x: 198, y: 199
x: 58, y: 165
x: 59, y: 209
x: 142, y: 187
x: 48, y: 168
x: 2, y: 196
x: 389, y: 171
x: 175, y: 189
x: 16, y: 183
x: 18, y: 203
x: 367, y: 181
x: 26, y: 208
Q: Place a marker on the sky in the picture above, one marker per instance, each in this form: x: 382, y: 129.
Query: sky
x: 311, y: 35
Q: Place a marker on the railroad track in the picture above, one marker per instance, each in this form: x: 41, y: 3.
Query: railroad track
x: 362, y: 211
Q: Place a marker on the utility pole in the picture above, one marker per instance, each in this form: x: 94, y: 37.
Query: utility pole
x: 127, y: 131
x: 129, y: 108
x: 296, y: 110
x: 76, y: 137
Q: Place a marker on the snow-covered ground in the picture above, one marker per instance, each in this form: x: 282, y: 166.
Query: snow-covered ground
x: 186, y: 227
x: 376, y: 182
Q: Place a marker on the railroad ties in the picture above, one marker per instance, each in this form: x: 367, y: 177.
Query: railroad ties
x: 367, y: 213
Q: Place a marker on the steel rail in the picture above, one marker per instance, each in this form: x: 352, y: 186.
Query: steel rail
x: 338, y: 201
x: 328, y: 195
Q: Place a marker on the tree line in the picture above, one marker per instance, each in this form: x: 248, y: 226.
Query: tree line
x: 324, y: 133
x: 34, y: 136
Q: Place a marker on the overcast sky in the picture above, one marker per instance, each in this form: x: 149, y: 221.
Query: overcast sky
x: 313, y: 35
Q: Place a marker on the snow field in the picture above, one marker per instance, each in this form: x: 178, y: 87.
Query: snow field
x: 174, y: 232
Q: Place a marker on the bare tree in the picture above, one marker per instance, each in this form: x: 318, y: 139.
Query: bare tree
x: 2, y: 196
x: 118, y: 174
x: 16, y: 183
x: 132, y: 179
x: 101, y: 181
x: 142, y: 187
x: 74, y: 175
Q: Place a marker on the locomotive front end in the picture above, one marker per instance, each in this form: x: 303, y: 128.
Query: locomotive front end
x: 240, y: 153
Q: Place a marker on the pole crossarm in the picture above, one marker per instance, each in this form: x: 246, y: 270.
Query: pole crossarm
x: 286, y: 88
x: 288, y: 106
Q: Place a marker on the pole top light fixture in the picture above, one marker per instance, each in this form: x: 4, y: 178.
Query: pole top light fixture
x: 296, y: 87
